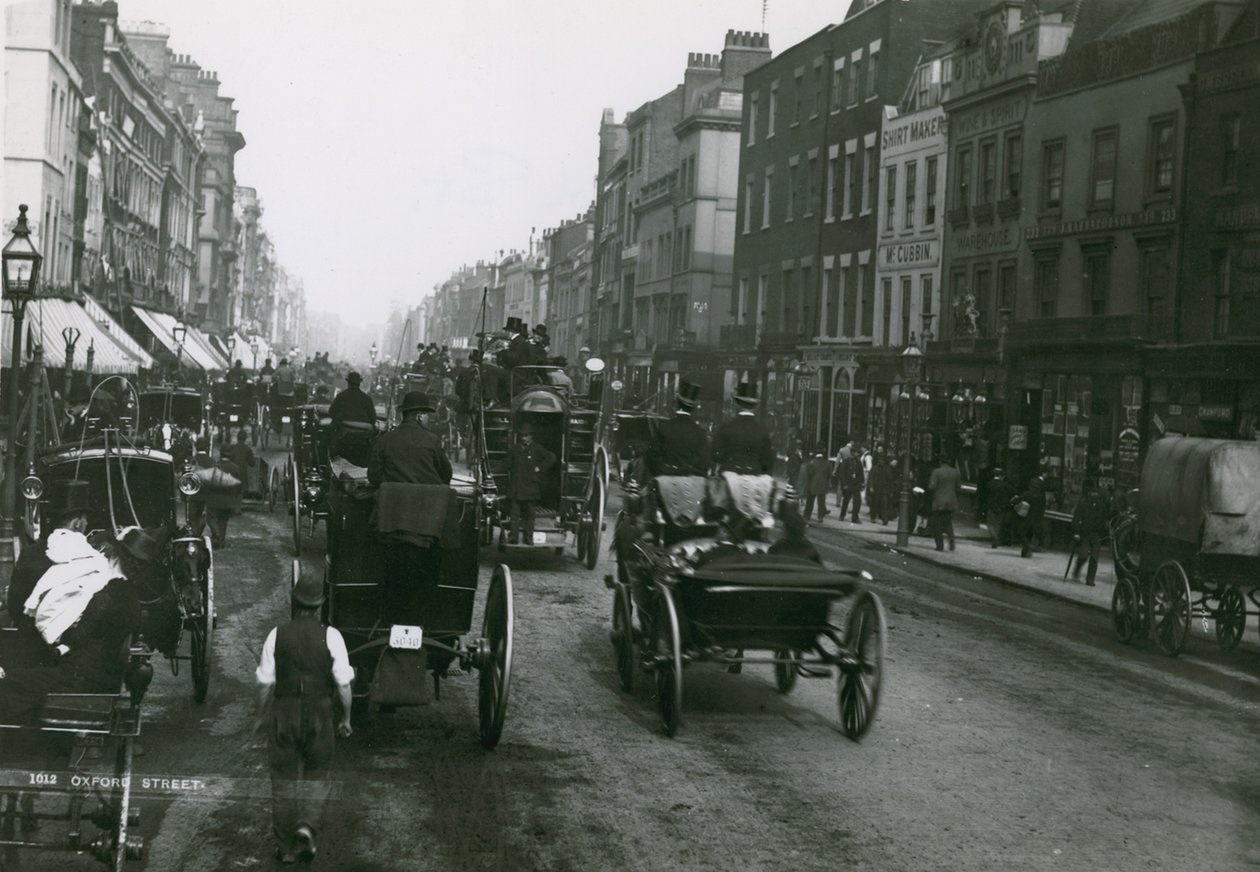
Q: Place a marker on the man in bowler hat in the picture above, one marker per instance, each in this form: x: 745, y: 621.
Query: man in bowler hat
x: 410, y: 452
x: 528, y: 462
x: 352, y: 404
x: 304, y: 669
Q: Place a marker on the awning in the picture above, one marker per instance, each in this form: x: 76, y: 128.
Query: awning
x: 162, y: 326
x: 47, y: 317
x: 105, y: 323
x: 209, y: 356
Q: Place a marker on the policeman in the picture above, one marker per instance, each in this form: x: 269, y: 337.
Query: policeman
x: 742, y: 444
x: 303, y: 667
x: 681, y: 446
x: 410, y: 452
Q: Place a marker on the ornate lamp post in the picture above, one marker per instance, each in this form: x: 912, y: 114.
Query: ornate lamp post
x: 20, y: 272
x: 71, y: 335
x: 180, y: 333
x: 231, y: 347
x: 912, y: 371
x: 803, y: 381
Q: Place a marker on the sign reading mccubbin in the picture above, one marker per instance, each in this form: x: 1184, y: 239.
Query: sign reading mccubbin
x: 925, y: 252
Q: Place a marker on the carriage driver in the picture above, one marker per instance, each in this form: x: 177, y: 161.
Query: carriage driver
x: 410, y: 452
x: 742, y: 444
x: 303, y: 668
x: 681, y: 446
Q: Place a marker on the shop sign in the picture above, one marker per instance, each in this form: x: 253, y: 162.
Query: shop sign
x: 1174, y: 409
x: 827, y: 357
x: 988, y: 118
x: 1238, y: 217
x: 1216, y: 413
x: 1129, y: 447
x: 925, y: 252
x: 913, y: 131
x: 1017, y: 437
x: 986, y: 241
x: 1211, y: 81
x: 1102, y: 224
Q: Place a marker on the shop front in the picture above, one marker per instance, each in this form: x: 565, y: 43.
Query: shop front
x: 833, y: 407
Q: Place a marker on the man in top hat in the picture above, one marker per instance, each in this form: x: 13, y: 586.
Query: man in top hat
x: 304, y: 669
x: 517, y: 353
x: 528, y: 462
x: 681, y: 446
x: 352, y: 404
x: 410, y: 452
x: 742, y: 444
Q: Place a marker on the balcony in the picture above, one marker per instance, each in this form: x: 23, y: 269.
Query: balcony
x: 958, y: 217
x: 1009, y: 208
x: 983, y: 213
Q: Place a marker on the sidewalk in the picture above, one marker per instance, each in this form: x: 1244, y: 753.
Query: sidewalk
x: 973, y: 554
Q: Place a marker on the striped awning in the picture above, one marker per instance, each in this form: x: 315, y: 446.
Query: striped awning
x: 106, y: 324
x: 212, y: 357
x: 47, y: 317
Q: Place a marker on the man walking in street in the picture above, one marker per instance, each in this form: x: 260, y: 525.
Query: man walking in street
x: 943, y: 486
x: 817, y: 483
x: 1089, y: 528
x: 852, y: 481
x: 303, y: 670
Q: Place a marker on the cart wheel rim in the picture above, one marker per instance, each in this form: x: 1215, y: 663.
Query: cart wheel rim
x: 669, y: 664
x: 1124, y: 610
x: 297, y: 508
x: 1170, y: 607
x: 595, y: 506
x: 495, y: 679
x: 785, y: 673
x: 862, y: 665
x: 1231, y: 618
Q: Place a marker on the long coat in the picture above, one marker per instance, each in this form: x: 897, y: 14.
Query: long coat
x: 527, y: 465
x: 742, y: 444
x: 409, y: 453
x: 681, y: 447
x: 943, y: 485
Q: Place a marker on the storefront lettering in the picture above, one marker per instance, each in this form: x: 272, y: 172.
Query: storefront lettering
x: 909, y: 254
x: 1017, y: 438
x: 1238, y: 217
x: 988, y: 118
x: 913, y: 131
x: 1211, y: 81
x: 1216, y: 413
x: 1096, y: 225
x: 984, y: 241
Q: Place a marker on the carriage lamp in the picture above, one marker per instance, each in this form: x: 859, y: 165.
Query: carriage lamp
x: 189, y: 484
x: 980, y: 410
x: 958, y: 405
x: 595, y: 365
x: 32, y: 486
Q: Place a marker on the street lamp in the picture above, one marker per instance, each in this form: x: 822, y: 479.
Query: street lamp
x: 231, y: 347
x: 912, y: 371
x: 372, y: 352
x: 19, y: 272
x: 180, y: 333
x: 71, y: 335
x: 253, y: 346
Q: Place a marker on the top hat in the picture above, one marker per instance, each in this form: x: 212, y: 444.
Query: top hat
x: 416, y: 401
x: 308, y: 592
x: 71, y: 498
x: 525, y: 429
x: 746, y: 393
x: 353, y: 378
x: 688, y: 395
x: 142, y: 546
x: 540, y: 329
x: 476, y: 355
x: 514, y: 325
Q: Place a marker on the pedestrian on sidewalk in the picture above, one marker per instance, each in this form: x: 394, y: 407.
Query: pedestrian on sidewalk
x: 998, y: 511
x: 817, y: 483
x: 882, y: 489
x: 943, y: 486
x: 852, y: 481
x: 1089, y: 528
x: 1034, y: 497
x: 303, y: 670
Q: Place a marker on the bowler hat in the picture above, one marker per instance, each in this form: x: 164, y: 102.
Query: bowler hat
x: 688, y: 395
x: 308, y: 592
x: 353, y: 378
x: 142, y: 546
x: 416, y: 401
x: 71, y: 498
x: 540, y: 329
x: 746, y: 393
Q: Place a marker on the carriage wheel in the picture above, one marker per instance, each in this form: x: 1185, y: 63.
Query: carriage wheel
x: 862, y: 665
x: 1170, y: 607
x: 201, y: 632
x: 668, y: 664
x: 496, y: 671
x: 595, y: 506
x: 125, y: 847
x: 581, y: 538
x: 274, y: 487
x: 623, y: 640
x: 1124, y: 610
x: 1231, y: 618
x: 296, y: 493
x: 785, y: 670
x: 1124, y: 547
x: 601, y: 465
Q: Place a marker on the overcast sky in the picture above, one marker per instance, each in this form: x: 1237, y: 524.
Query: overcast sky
x: 392, y: 141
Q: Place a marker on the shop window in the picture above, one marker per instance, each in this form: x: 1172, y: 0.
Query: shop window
x: 1103, y: 170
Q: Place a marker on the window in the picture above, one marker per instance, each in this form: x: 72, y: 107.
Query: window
x: 818, y: 89
x: 1006, y: 287
x: 833, y: 180
x: 988, y: 171
x: 748, y: 201
x: 1097, y: 282
x: 772, y: 110
x: 872, y: 74
x: 890, y: 199
x: 1052, y: 176
x: 741, y: 306
x: 886, y: 301
x: 691, y: 175
x: 811, y: 205
x: 786, y: 298
x: 855, y: 80
x: 870, y: 179
x: 765, y: 197
x: 929, y: 194
x: 1154, y: 271
x: 800, y: 98
x: 1230, y: 130
x: 912, y: 182
x: 850, y: 184
x: 962, y: 193
x: 983, y: 289
x: 1161, y: 147
x: 793, y: 177
x: 906, y: 290
x: 1046, y: 283
x: 866, y: 304
x: 1102, y: 189
x: 837, y: 84
x: 1220, y: 285
x: 763, y: 288
x: 1012, y: 163
x: 824, y: 302
x: 754, y: 105
x: 925, y: 301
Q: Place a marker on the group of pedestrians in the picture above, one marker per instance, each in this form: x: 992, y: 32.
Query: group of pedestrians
x: 854, y: 473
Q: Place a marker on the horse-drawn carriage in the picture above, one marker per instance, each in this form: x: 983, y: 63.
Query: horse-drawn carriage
x: 234, y: 406
x: 171, y: 417
x: 1197, y: 543
x: 305, y: 481
x: 574, y: 492
x: 697, y: 582
x: 401, y: 590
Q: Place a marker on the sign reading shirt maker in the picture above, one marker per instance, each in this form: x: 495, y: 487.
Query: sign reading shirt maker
x: 913, y: 132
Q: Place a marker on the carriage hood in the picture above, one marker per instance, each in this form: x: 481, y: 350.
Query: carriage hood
x: 1210, y: 485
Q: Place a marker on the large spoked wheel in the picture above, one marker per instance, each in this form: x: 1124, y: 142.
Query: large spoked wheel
x: 295, y: 493
x: 862, y: 665
x: 201, y: 630
x: 785, y: 670
x: 1231, y: 618
x: 601, y: 465
x: 668, y: 663
x: 595, y: 534
x: 496, y: 667
x: 1124, y: 610
x: 1170, y: 607
x: 623, y: 640
x: 1124, y: 554
x: 274, y: 487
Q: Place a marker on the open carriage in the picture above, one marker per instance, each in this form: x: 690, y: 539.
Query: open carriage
x: 171, y: 418
x: 234, y: 406
x: 686, y: 591
x: 570, y: 510
x: 305, y: 481
x: 404, y: 600
x: 1197, y: 543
